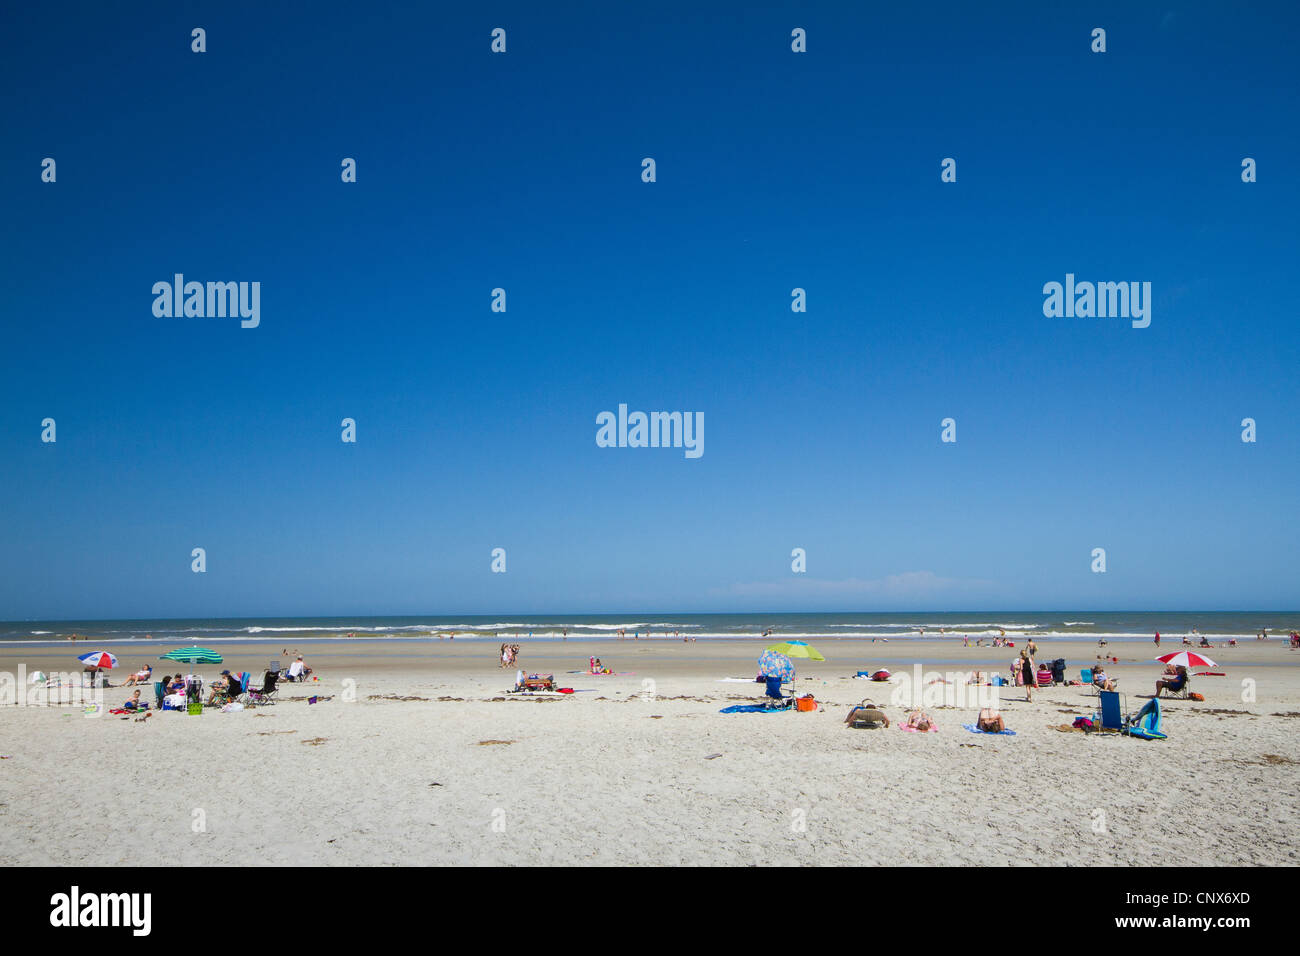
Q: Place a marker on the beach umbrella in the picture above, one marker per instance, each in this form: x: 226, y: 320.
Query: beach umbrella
x: 192, y: 655
x: 774, y: 664
x: 1187, y: 659
x: 98, y: 659
x: 797, y: 649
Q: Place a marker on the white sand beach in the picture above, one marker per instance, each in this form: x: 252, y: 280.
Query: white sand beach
x: 625, y: 772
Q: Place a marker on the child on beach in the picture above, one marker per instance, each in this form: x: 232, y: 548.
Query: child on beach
x: 135, y: 703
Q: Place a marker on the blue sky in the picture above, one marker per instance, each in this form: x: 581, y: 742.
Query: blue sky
x: 775, y: 170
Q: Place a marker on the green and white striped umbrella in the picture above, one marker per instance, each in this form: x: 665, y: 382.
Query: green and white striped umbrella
x: 193, y: 655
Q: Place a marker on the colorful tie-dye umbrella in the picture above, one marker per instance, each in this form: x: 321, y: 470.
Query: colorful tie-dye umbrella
x: 98, y: 659
x: 774, y: 664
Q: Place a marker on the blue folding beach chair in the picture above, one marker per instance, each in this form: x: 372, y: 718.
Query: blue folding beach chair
x: 1112, y: 712
x: 774, y: 692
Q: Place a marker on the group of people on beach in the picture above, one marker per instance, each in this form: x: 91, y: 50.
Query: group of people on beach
x: 979, y: 641
x: 636, y: 635
x: 509, y: 654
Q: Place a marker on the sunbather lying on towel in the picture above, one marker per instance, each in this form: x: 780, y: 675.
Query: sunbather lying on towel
x: 990, y: 721
x: 868, y: 713
x: 919, y: 721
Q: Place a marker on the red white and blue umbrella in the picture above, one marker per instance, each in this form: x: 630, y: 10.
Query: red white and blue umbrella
x: 98, y: 659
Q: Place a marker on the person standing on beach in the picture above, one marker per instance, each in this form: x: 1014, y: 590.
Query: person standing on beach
x: 1027, y: 671
x: 1157, y: 638
x: 1032, y: 649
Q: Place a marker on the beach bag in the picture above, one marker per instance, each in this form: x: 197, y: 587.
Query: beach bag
x: 805, y: 703
x: 195, y: 708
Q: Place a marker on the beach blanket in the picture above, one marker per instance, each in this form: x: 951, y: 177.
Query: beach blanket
x: 735, y: 680
x: 912, y: 730
x: 975, y: 730
x: 751, y: 709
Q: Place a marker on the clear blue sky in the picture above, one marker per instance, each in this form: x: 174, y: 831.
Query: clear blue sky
x: 775, y: 170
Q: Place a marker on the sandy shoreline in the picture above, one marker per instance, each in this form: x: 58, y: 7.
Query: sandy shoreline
x: 623, y: 772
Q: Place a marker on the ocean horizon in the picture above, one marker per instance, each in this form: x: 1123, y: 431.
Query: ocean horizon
x: 1042, y: 625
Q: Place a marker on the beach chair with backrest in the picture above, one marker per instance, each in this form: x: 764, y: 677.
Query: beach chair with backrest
x: 264, y: 694
x: 1085, y: 677
x: 1182, y: 688
x: 1112, y: 718
x: 776, y: 698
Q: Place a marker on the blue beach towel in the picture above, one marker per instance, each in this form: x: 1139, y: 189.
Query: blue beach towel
x: 750, y: 709
x: 1001, y: 733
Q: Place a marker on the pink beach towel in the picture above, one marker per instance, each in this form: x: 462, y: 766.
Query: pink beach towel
x: 912, y: 730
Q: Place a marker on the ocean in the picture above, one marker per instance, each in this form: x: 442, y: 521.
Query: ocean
x: 1041, y: 625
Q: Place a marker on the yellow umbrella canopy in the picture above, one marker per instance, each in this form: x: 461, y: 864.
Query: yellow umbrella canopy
x: 797, y: 649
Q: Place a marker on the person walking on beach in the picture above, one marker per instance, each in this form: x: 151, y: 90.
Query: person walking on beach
x: 1157, y: 638
x: 1027, y: 671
